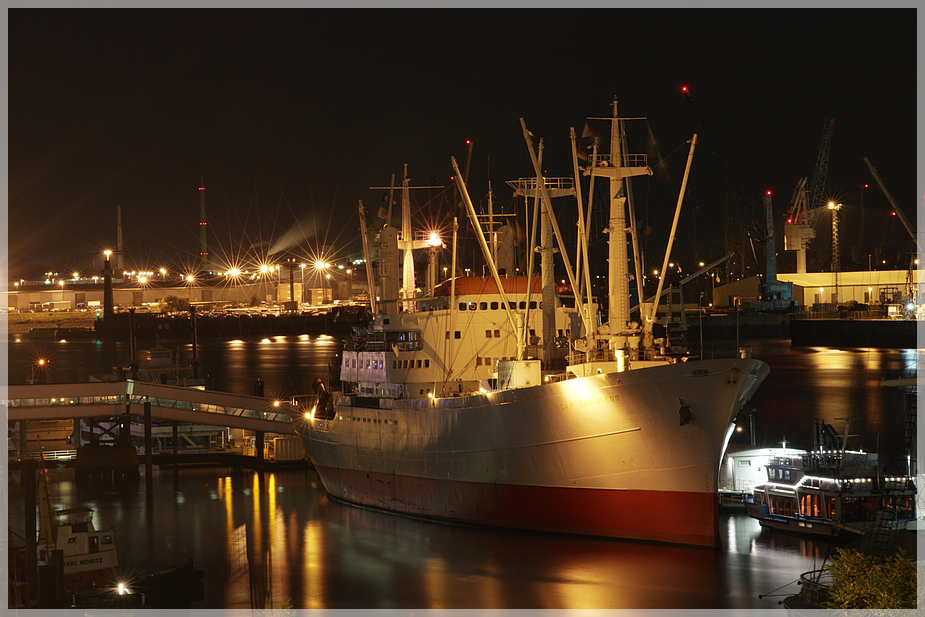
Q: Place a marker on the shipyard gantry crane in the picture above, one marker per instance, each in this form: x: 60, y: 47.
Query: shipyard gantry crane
x: 808, y: 203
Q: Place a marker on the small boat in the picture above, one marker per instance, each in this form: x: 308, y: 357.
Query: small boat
x: 89, y: 554
x: 831, y: 492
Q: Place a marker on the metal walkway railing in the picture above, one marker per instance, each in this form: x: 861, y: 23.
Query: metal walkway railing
x: 108, y: 399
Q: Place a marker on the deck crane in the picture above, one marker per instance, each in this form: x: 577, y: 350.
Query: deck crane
x: 740, y: 220
x: 808, y: 203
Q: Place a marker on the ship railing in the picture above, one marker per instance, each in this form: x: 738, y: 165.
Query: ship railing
x: 556, y: 377
x: 591, y: 355
x: 529, y: 184
x: 817, y: 585
x: 629, y: 160
x: 49, y: 455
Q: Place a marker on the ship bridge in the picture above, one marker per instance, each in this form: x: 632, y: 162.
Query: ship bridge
x: 173, y: 403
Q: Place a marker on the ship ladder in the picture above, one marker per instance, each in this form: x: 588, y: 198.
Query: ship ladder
x: 909, y: 424
x: 881, y: 533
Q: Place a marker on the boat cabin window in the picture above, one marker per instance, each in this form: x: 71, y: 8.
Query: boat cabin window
x: 487, y: 333
x: 494, y: 306
x: 456, y: 334
x: 419, y: 363
x: 472, y: 306
x: 462, y: 306
x: 483, y: 306
x: 426, y: 363
x: 497, y: 333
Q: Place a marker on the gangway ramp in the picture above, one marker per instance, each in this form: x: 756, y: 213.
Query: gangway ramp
x: 175, y: 403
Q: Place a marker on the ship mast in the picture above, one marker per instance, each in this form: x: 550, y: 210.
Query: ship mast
x: 616, y: 167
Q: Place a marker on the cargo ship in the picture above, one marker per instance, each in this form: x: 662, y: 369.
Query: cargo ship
x: 501, y: 401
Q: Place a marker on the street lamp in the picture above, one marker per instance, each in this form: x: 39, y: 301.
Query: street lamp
x: 321, y: 266
x: 164, y: 274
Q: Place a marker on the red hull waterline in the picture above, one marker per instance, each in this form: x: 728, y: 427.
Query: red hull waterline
x: 659, y: 516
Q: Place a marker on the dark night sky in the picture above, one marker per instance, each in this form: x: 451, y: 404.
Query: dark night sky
x: 291, y: 115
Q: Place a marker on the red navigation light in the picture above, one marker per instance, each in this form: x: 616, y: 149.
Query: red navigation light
x: 468, y: 141
x: 893, y: 213
x: 790, y: 220
x: 768, y: 193
x: 683, y: 88
x: 202, y: 188
x: 866, y: 185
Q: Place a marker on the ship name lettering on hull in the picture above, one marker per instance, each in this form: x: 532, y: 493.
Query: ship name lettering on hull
x: 587, y: 402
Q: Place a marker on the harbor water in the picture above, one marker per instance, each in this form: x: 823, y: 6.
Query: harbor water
x: 273, y: 538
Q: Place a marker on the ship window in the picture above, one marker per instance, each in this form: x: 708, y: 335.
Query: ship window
x: 745, y: 463
x: 107, y: 539
x: 347, y: 363
x: 419, y: 364
x: 427, y: 363
x: 560, y: 331
x: 472, y: 306
x: 422, y: 391
x: 532, y: 332
x: 494, y: 306
x: 483, y: 306
x: 448, y: 334
x: 487, y: 333
x: 523, y: 305
x: 497, y: 333
x: 394, y: 363
x: 456, y: 334
x: 512, y: 305
x: 406, y: 364
x: 462, y: 306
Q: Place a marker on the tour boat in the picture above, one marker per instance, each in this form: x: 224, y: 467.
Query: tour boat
x: 500, y: 400
x: 831, y: 491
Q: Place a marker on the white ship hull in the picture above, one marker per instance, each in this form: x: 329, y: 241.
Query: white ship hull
x: 605, y: 455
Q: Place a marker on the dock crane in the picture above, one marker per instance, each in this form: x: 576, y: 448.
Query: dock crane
x: 808, y: 203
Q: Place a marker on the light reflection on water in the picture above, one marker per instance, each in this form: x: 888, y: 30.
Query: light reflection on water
x: 283, y: 539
